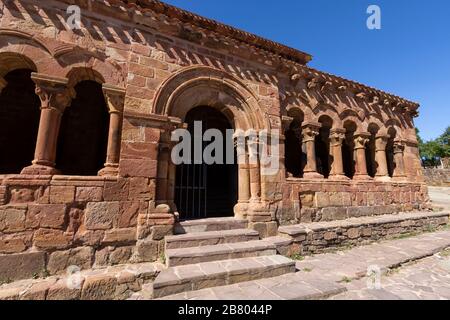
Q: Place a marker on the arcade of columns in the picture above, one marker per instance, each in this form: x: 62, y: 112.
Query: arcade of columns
x: 56, y: 95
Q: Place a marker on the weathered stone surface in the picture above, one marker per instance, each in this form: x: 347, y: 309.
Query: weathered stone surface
x: 51, y: 239
x: 147, y: 250
x: 59, y: 261
x: 118, y: 236
x: 62, y: 194
x: 46, y: 216
x: 12, y: 219
x: 99, y: 287
x: 100, y: 215
x: 21, y: 266
x: 15, y: 243
x: 89, y: 194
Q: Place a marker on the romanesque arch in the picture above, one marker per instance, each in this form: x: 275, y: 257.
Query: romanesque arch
x: 19, y: 112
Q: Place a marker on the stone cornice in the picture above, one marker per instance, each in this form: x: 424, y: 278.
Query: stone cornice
x: 331, y: 83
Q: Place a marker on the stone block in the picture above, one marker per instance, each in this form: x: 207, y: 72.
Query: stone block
x: 62, y: 194
x: 59, y: 261
x: 322, y: 200
x: 119, y: 236
x: 147, y: 250
x: 89, y: 194
x: 46, y: 216
x: 307, y: 199
x: 21, y: 266
x: 138, y: 168
x: 101, y: 215
x: 15, y: 243
x: 99, y: 287
x: 142, y: 189
x: 334, y: 213
x: 61, y: 291
x: 353, y: 233
x: 12, y: 219
x: 50, y: 239
x: 116, y: 190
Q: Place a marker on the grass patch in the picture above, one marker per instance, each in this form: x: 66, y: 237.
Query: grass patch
x: 307, y: 270
x: 297, y: 257
x: 162, y: 258
x: 346, y: 280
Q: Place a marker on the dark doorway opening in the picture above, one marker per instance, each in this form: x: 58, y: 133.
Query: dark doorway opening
x: 206, y: 191
x: 83, y: 136
x: 19, y: 121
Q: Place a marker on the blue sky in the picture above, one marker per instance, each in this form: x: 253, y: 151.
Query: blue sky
x: 409, y: 56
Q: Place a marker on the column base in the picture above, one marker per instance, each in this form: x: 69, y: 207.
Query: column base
x: 109, y: 170
x: 362, y: 177
x: 40, y: 170
x: 339, y: 177
x: 312, y: 175
x: 399, y: 178
x: 241, y: 210
x: 383, y: 178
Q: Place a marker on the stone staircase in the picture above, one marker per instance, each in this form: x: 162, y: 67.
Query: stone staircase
x: 217, y: 252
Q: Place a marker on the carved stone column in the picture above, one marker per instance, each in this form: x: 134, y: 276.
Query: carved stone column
x: 115, y: 98
x: 254, y: 169
x: 380, y: 157
x: 337, y: 137
x: 3, y: 84
x: 360, y: 140
x: 399, y: 170
x: 55, y: 97
x: 244, y: 193
x: 163, y: 172
x: 309, y: 133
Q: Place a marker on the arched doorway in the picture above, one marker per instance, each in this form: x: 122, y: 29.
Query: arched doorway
x: 19, y: 121
x: 202, y: 190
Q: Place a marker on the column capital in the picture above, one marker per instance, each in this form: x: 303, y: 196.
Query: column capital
x: 310, y: 130
x: 3, y: 84
x: 360, y: 139
x: 337, y: 136
x: 115, y: 98
x: 54, y: 92
x: 399, y: 146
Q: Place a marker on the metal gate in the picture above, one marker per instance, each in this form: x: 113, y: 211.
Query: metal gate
x: 201, y: 190
x: 191, y: 191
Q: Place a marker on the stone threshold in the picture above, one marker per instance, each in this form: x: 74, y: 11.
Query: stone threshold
x: 111, y: 283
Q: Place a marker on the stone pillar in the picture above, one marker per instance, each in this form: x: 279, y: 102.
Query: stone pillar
x: 172, y: 174
x: 337, y: 137
x: 360, y: 140
x: 380, y: 158
x: 399, y: 170
x: 115, y: 99
x: 254, y: 169
x: 3, y: 84
x: 55, y: 97
x: 244, y: 194
x: 162, y: 172
x: 309, y: 133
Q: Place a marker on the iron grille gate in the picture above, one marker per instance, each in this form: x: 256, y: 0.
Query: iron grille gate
x: 192, y: 191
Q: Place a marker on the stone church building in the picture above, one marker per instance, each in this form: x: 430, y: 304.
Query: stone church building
x: 86, y: 118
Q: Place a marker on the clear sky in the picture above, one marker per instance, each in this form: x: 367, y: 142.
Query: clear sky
x: 409, y: 56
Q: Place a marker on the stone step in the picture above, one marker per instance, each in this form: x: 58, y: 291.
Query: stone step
x: 210, y: 224
x: 208, y: 238
x: 185, y: 256
x: 219, y: 273
x: 322, y: 237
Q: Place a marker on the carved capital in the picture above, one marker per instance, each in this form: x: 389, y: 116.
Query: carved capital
x: 337, y: 136
x: 310, y: 130
x: 361, y: 96
x: 286, y: 122
x: 361, y: 139
x: 53, y: 92
x: 3, y: 84
x: 115, y: 98
x: 399, y: 146
x: 313, y: 83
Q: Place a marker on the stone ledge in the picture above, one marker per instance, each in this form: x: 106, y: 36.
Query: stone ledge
x: 112, y: 283
x: 321, y: 237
